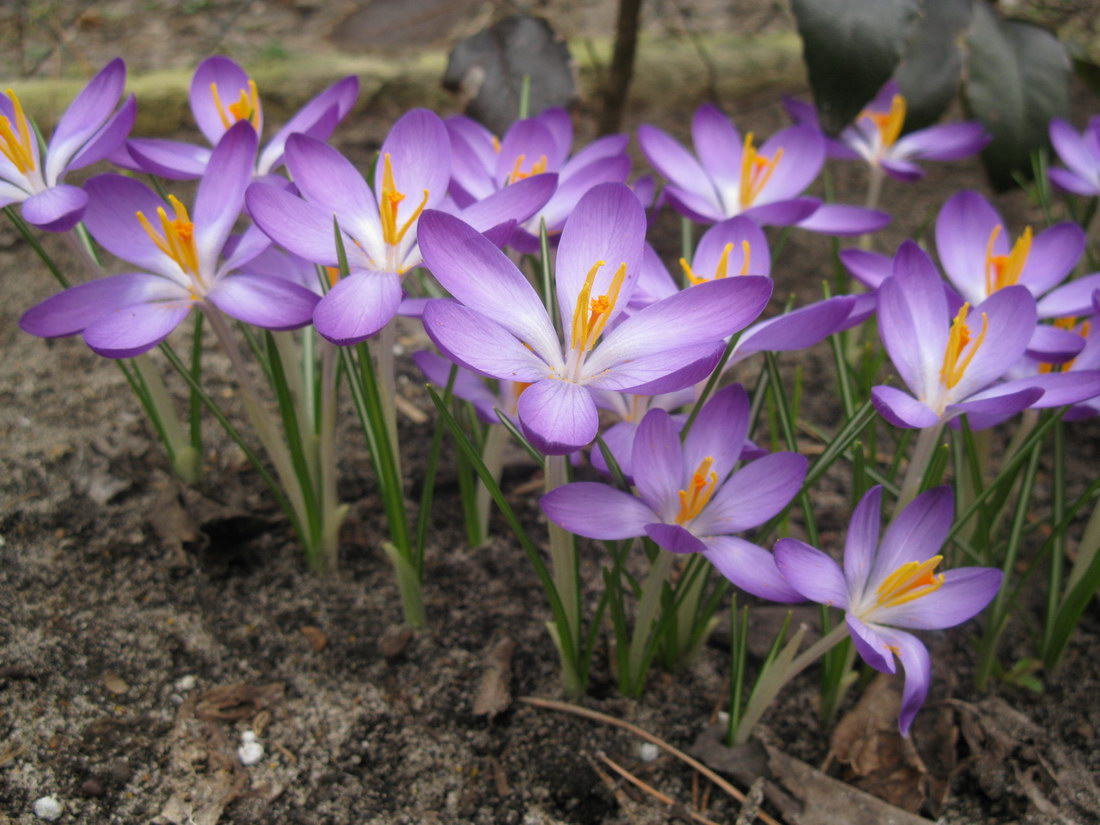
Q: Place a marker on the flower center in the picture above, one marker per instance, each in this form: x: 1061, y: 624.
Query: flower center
x: 704, y: 482
x: 1070, y: 325
x: 756, y: 171
x: 1004, y: 270
x: 176, y: 238
x: 955, y: 361
x: 537, y: 168
x: 722, y: 270
x: 246, y: 107
x: 388, y: 203
x: 590, y: 316
x: 909, y: 582
x: 15, y: 142
x: 888, y: 123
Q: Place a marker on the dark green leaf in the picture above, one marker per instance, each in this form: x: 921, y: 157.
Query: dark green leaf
x: 931, y: 67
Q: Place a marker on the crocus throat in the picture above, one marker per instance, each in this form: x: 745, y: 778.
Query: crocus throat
x: 388, y: 203
x: 722, y: 270
x: 909, y: 582
x: 537, y: 168
x: 756, y: 171
x: 704, y: 482
x: 590, y: 316
x: 177, y: 238
x: 15, y: 143
x: 246, y: 107
x: 888, y: 123
x: 1005, y: 270
x: 954, y: 361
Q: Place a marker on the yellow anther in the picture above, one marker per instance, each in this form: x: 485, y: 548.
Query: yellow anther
x: 889, y: 123
x: 590, y: 316
x: 16, y: 142
x: 537, y: 168
x: 1005, y: 270
x: 909, y: 582
x: 954, y: 361
x: 722, y: 270
x: 177, y: 236
x: 496, y: 144
x: 392, y: 234
x: 246, y: 107
x: 756, y: 171
x: 704, y: 482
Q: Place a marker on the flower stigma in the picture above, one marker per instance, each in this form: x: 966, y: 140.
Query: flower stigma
x: 704, y: 482
x: 246, y: 107
x: 909, y: 582
x: 888, y: 123
x: 954, y: 362
x: 1005, y: 270
x: 177, y: 239
x: 15, y: 143
x: 388, y: 204
x: 590, y: 316
x: 756, y: 171
x: 722, y: 270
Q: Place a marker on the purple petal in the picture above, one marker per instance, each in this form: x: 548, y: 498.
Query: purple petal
x: 811, y: 573
x: 795, y: 330
x: 1061, y: 388
x: 674, y: 538
x: 803, y: 156
x: 1054, y: 254
x: 304, y: 229
x: 340, y: 96
x: 70, y: 311
x: 902, y: 170
x: 963, y: 228
x: 861, y: 544
x: 241, y: 250
x: 109, y: 139
x: 916, y: 534
x: 913, y: 319
x: 558, y: 417
x: 718, y: 433
x: 675, y: 163
x: 994, y: 405
x: 605, y: 147
x: 329, y: 180
x: 750, y: 567
x: 871, y: 646
x: 753, y: 494
x: 482, y: 277
x: 948, y: 141
x: 169, y: 158
x: 358, y: 306
x: 1073, y: 150
x: 560, y: 125
x: 111, y: 217
x: 901, y: 409
x: 1074, y: 298
x: 57, y: 209
x: 678, y: 369
x: 1054, y: 345
x: 700, y: 208
x: 964, y: 594
x: 1012, y: 316
x: 270, y: 303
x: 526, y: 143
x: 420, y: 153
x: 718, y: 144
x: 654, y: 282
x: 479, y: 343
x: 918, y: 673
x: 1070, y: 182
x: 783, y: 212
x: 230, y: 80
x: 220, y: 198
x: 596, y: 511
x: 516, y: 202
x: 87, y: 113
x: 869, y: 268
x: 619, y: 439
x: 734, y: 233
x: 467, y: 386
x: 132, y: 330
x: 842, y: 219
x: 657, y: 460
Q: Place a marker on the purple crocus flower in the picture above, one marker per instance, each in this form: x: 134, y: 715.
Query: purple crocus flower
x: 90, y: 130
x: 222, y: 94
x: 687, y: 499
x: 975, y: 251
x: 379, y: 226
x: 472, y: 387
x: 483, y: 165
x: 892, y: 584
x: 180, y: 262
x: 1081, y: 155
x: 950, y: 366
x: 876, y: 136
x: 731, y: 176
x: 499, y: 326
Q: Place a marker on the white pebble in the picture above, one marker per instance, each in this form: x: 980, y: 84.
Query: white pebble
x: 186, y: 683
x: 648, y: 751
x: 723, y: 718
x: 47, y: 808
x: 250, y: 753
x: 248, y: 736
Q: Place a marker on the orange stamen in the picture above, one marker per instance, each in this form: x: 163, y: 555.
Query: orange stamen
x: 704, y: 482
x: 177, y: 236
x: 246, y: 107
x: 590, y: 317
x: 889, y: 123
x: 15, y: 143
x: 1067, y: 324
x: 909, y: 582
x: 537, y: 168
x: 1005, y: 270
x: 952, y: 369
x: 722, y: 270
x: 756, y: 171
x: 388, y: 204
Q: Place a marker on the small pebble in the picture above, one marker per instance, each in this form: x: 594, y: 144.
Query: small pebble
x: 250, y: 753
x: 723, y: 718
x: 648, y: 751
x: 92, y: 788
x: 47, y: 808
x: 248, y: 736
x: 185, y: 683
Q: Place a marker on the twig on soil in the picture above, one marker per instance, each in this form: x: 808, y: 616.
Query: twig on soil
x: 678, y: 809
x: 577, y: 710
x: 616, y: 790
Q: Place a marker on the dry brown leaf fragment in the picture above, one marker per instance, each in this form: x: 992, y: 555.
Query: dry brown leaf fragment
x: 115, y: 683
x: 494, y: 693
x: 315, y: 636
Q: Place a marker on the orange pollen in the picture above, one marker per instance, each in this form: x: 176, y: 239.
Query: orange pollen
x: 590, y: 316
x: 704, y: 482
x: 15, y: 143
x: 388, y: 204
x: 246, y: 107
x: 496, y: 144
x: 177, y: 236
x: 537, y: 168
x: 756, y: 171
x: 954, y: 362
x: 722, y: 269
x: 333, y: 274
x: 1005, y: 270
x: 889, y: 123
x: 909, y: 582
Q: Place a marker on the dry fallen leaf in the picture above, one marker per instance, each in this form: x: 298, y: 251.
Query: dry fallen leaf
x: 316, y: 636
x: 115, y: 683
x: 494, y: 694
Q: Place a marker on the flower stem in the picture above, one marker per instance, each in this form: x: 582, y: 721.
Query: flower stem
x: 563, y: 563
x: 493, y: 456
x: 874, y: 190
x: 918, y: 464
x: 644, y: 622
